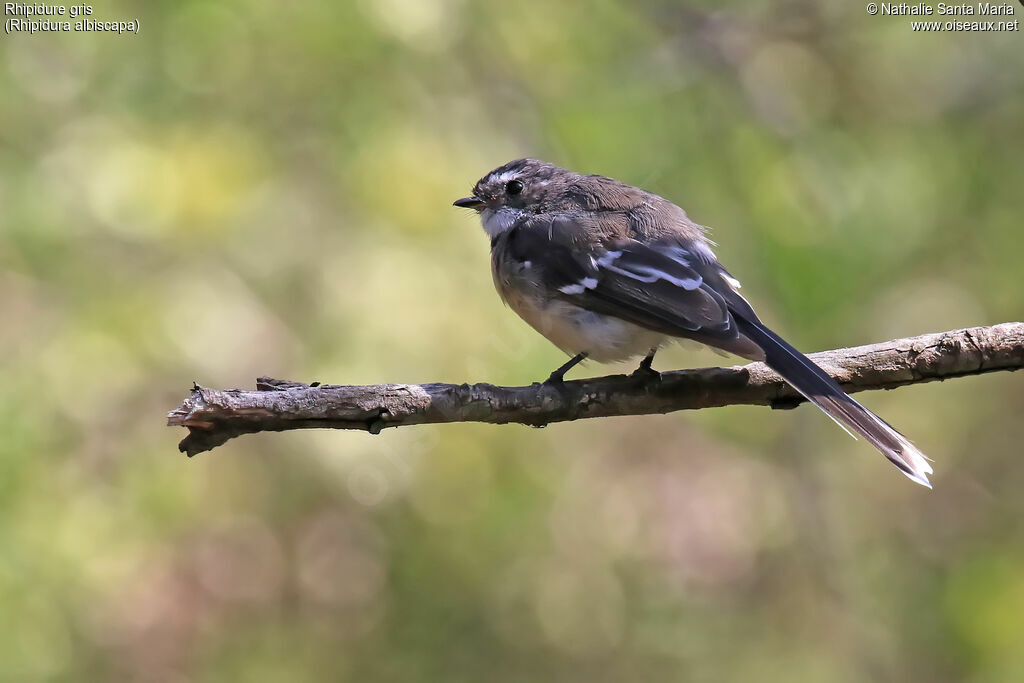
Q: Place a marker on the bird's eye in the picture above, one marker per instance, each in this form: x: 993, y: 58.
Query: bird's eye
x: 513, y: 187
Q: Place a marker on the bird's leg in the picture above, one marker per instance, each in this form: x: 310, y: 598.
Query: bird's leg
x: 645, y: 368
x: 558, y: 375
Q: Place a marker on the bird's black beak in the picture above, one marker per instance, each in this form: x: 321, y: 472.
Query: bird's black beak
x: 468, y: 203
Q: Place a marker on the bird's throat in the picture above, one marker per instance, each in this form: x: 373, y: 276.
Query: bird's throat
x: 500, y: 220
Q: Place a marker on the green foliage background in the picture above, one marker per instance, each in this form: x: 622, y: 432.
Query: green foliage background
x: 251, y: 188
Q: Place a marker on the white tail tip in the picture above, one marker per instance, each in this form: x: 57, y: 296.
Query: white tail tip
x: 915, y: 460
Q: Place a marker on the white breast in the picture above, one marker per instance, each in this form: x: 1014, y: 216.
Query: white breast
x: 577, y: 330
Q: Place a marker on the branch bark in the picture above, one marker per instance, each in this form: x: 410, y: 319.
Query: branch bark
x: 213, y: 416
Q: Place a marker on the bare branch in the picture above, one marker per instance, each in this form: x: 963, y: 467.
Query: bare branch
x: 213, y: 416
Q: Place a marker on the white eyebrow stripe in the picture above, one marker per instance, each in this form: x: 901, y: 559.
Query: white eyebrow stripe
x: 504, y: 177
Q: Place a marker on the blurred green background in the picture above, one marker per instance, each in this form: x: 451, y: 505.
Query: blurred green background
x: 250, y: 188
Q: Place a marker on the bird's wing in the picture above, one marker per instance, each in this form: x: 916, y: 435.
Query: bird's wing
x: 675, y: 287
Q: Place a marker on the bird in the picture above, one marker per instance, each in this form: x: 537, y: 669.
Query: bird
x: 607, y: 271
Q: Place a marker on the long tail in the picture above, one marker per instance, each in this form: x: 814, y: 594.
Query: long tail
x: 824, y: 392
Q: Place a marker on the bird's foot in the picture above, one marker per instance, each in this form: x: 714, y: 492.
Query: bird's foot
x: 557, y: 377
x: 644, y: 371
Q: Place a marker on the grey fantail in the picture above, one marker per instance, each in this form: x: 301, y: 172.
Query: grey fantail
x: 608, y: 271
